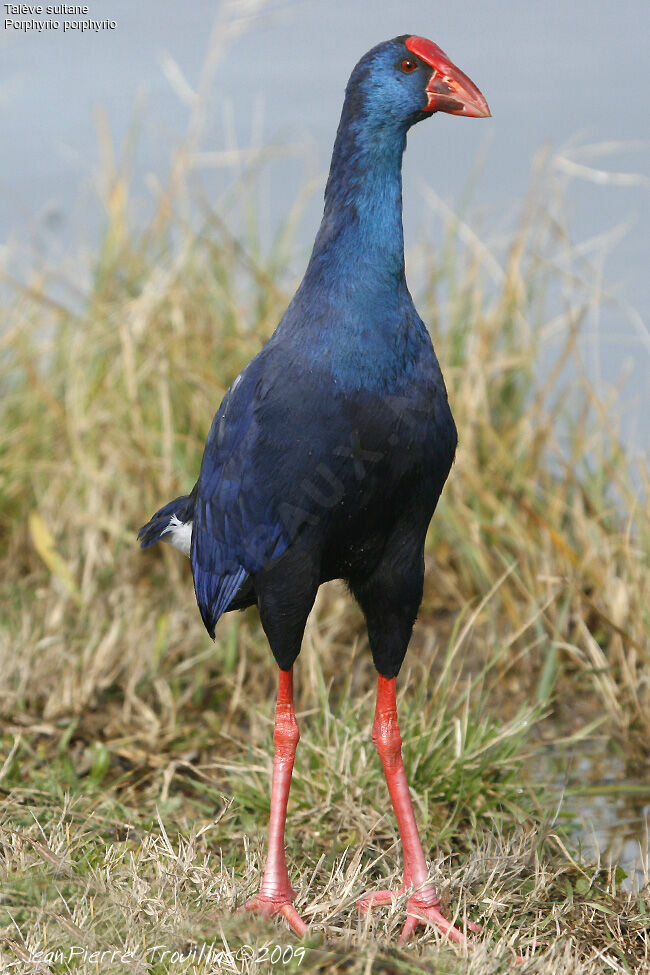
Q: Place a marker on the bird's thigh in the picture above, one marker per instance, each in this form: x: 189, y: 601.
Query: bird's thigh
x: 285, y: 595
x: 390, y: 599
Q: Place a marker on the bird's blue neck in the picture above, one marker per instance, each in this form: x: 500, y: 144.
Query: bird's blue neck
x: 353, y: 312
x: 360, y: 239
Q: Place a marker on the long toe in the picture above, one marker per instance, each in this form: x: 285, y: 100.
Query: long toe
x: 376, y: 898
x: 418, y: 914
x: 270, y: 906
x: 294, y: 920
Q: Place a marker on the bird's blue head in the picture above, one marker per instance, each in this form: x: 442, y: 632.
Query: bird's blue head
x: 394, y: 85
x: 405, y: 80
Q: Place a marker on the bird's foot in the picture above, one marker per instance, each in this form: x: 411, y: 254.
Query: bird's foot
x: 422, y: 907
x: 268, y: 905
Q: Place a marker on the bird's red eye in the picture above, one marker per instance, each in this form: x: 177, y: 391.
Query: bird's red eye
x: 408, y: 65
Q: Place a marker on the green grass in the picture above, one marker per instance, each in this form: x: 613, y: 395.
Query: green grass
x: 136, y: 755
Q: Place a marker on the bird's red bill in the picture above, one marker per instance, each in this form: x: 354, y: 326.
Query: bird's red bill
x: 449, y: 90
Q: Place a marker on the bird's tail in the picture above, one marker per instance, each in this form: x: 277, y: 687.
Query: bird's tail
x: 173, y: 524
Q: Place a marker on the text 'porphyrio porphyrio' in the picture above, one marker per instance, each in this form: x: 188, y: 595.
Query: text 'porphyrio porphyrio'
x: 329, y: 451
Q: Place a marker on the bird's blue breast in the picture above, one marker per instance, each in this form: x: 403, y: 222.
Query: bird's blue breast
x: 353, y: 319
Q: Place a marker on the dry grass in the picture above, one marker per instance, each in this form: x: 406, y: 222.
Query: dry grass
x: 145, y: 892
x: 136, y: 755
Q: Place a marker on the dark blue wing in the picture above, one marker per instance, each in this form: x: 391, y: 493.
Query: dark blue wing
x: 235, y: 530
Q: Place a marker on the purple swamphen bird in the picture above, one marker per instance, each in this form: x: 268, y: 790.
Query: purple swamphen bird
x: 329, y: 451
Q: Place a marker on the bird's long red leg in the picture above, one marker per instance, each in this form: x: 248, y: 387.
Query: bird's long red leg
x: 424, y: 904
x: 276, y: 894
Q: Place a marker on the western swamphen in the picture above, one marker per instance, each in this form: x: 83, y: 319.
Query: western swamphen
x: 329, y: 451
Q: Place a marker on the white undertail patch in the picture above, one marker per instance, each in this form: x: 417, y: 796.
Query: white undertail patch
x: 180, y: 533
